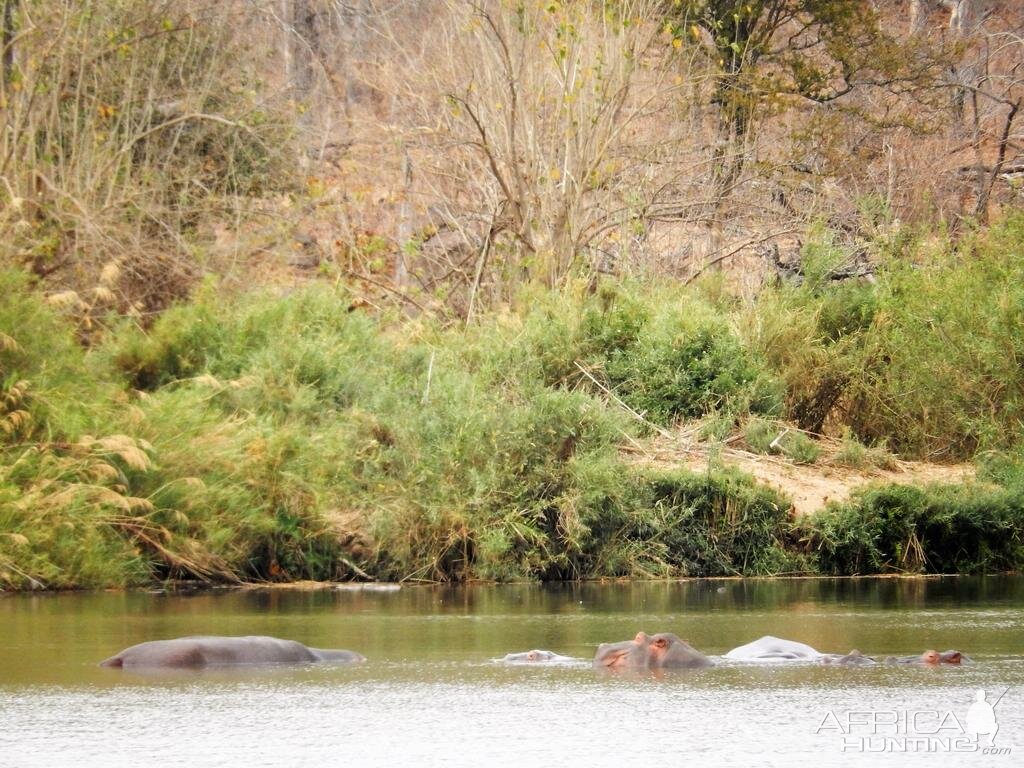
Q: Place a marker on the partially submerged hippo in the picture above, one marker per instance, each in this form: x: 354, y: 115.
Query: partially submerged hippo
x: 930, y: 658
x: 769, y: 649
x: 534, y: 657
x: 852, y: 659
x: 192, y: 652
x: 772, y: 649
x: 661, y: 651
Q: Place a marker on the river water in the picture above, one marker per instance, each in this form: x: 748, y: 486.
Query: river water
x: 430, y: 693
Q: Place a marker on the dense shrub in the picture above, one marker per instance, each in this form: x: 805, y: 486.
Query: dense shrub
x: 926, y: 358
x: 763, y: 436
x: 716, y: 524
x: 666, y: 355
x: 291, y: 438
x: 941, y: 529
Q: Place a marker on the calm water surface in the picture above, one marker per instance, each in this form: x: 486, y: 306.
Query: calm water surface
x: 430, y: 694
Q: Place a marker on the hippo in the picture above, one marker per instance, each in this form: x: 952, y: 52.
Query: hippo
x: 194, y: 652
x: 929, y: 658
x: 661, y: 651
x: 535, y: 657
x: 772, y: 649
x: 852, y: 659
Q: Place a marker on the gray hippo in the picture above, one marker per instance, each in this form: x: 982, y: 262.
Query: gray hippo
x: 770, y: 649
x: 192, y: 652
x: 661, y: 651
x: 852, y: 659
x: 534, y: 657
x: 929, y: 658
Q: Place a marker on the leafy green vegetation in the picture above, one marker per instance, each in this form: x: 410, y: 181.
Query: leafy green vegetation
x: 942, y: 529
x: 719, y: 523
x: 926, y: 358
x: 269, y: 437
x: 854, y: 454
x: 763, y: 436
x: 667, y: 354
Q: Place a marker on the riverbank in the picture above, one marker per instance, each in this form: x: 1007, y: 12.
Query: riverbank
x: 275, y: 436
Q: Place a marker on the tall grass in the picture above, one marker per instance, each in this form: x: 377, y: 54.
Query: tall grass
x: 64, y: 490
x: 927, y: 358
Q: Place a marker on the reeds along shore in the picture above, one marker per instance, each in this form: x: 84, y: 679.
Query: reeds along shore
x: 255, y: 436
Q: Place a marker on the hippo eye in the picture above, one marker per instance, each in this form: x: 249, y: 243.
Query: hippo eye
x: 661, y: 642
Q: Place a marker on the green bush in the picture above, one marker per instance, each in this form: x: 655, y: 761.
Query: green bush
x: 763, y: 436
x: 667, y: 355
x: 716, y: 524
x: 289, y: 437
x: 442, y: 454
x: 179, y: 345
x: 925, y: 359
x: 854, y: 454
x: 800, y: 448
x: 1002, y: 468
x: 965, y: 528
x: 759, y: 434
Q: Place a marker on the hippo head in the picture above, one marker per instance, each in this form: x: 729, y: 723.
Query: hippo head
x: 531, y: 657
x: 934, y: 658
x: 644, y: 651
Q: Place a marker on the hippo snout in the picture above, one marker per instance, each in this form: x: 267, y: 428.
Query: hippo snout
x: 611, y: 654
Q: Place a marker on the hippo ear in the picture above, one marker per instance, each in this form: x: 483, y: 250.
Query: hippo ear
x: 953, y: 657
x: 641, y: 637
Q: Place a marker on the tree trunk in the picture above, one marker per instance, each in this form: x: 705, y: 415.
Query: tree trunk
x: 401, y: 273
x: 961, y: 25
x: 305, y: 44
x: 7, y: 38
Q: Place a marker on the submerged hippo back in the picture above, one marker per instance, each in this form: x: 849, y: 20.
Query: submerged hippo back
x: 769, y: 648
x: 535, y: 656
x: 852, y: 659
x: 184, y: 652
